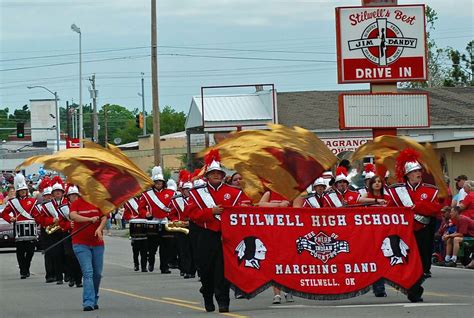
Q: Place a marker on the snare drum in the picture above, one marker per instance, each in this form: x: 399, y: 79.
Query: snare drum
x: 138, y: 229
x: 153, y: 227
x: 26, y: 231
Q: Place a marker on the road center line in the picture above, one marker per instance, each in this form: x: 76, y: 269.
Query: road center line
x: 180, y: 300
x: 179, y: 303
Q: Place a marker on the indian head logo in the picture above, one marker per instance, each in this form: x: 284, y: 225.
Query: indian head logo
x: 251, y: 251
x: 395, y: 249
x: 382, y: 42
x: 321, y: 246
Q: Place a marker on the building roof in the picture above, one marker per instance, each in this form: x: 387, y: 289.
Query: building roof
x: 317, y: 110
x: 231, y: 110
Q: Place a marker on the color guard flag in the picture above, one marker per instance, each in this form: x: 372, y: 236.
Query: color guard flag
x: 105, y: 176
x: 282, y: 159
x: 386, y: 149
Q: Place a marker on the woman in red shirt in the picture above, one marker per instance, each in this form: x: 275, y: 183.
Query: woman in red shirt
x: 375, y: 192
x: 88, y: 245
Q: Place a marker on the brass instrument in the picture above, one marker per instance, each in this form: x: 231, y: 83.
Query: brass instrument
x: 177, y: 226
x: 50, y: 229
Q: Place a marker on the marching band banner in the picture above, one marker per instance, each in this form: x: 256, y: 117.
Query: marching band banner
x: 319, y: 254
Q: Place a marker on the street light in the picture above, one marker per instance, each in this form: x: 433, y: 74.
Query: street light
x: 57, y: 111
x: 78, y: 31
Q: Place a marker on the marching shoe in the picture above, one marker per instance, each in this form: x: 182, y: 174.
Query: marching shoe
x: 289, y: 298
x: 50, y: 280
x: 223, y: 309
x: 59, y: 282
x: 151, y: 268
x: 79, y: 285
x: 135, y: 268
x: 22, y: 276
x: 209, y: 304
x: 187, y: 276
x: 276, y: 300
x: 144, y: 270
x: 88, y: 308
x: 28, y: 274
x: 166, y: 271
x: 381, y: 294
x: 96, y: 306
x: 414, y: 295
x: 71, y: 283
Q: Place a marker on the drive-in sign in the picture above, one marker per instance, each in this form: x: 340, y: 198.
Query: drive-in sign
x: 381, y: 44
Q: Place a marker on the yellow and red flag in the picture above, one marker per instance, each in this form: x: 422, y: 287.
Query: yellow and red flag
x: 105, y: 176
x: 386, y: 149
x: 282, y: 159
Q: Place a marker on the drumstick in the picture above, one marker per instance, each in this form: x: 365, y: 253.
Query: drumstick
x: 66, y: 237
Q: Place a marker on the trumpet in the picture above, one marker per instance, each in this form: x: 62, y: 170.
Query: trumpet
x: 50, y: 229
x: 177, y: 226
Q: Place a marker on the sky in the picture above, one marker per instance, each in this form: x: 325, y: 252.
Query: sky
x: 290, y: 43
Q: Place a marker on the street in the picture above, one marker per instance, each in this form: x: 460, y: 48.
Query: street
x: 125, y: 293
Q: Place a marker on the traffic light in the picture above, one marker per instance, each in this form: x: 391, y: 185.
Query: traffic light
x: 141, y: 120
x: 20, y: 130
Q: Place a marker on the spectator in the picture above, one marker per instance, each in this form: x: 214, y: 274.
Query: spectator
x: 466, y: 206
x: 464, y: 228
x: 10, y: 193
x: 460, y: 180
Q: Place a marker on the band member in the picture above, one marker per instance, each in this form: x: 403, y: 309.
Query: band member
x: 273, y: 199
x: 205, y: 205
x: 376, y: 193
x: 314, y: 199
x: 139, y: 244
x: 54, y: 233
x: 46, y: 195
x: 88, y: 245
x: 22, y: 212
x: 342, y: 195
x: 421, y: 197
x: 73, y: 269
x: 368, y: 173
x: 154, y: 205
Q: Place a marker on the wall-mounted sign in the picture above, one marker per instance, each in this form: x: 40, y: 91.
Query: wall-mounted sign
x: 73, y: 143
x: 381, y: 44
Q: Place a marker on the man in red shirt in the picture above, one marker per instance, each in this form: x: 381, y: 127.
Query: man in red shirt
x: 88, y: 245
x: 466, y: 206
x: 155, y: 205
x: 205, y: 205
x: 421, y: 197
x: 22, y: 212
x: 464, y: 228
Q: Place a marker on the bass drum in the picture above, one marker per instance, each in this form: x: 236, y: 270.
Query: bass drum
x: 138, y: 229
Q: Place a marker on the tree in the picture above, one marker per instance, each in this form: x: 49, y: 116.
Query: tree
x: 171, y: 121
x: 461, y: 72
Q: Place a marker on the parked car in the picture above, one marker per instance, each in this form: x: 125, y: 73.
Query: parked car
x: 7, y: 238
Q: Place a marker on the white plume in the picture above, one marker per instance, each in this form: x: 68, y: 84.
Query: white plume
x: 19, y: 179
x: 171, y: 184
x: 156, y: 170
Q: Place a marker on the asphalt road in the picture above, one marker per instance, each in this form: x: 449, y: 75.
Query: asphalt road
x: 124, y: 293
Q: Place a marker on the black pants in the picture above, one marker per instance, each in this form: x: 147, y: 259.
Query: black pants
x: 24, y: 254
x: 139, y: 248
x: 425, y: 241
x: 72, y: 268
x: 211, y: 263
x: 194, y: 232
x: 54, y: 258
x: 186, y: 260
x: 152, y: 246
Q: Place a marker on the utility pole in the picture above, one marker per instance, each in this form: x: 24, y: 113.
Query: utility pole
x: 154, y: 85
x: 106, y: 124
x: 143, y: 106
x: 95, y: 117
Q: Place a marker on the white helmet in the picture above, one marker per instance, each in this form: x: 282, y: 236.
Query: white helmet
x: 20, y: 182
x: 73, y: 190
x: 47, y: 190
x: 171, y: 184
x: 319, y: 181
x: 157, y: 174
x: 412, y: 166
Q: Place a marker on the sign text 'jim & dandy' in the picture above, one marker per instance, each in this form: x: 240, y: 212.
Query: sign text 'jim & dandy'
x: 381, y: 44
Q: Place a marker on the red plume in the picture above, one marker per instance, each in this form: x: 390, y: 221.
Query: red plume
x: 46, y: 182
x: 212, y: 155
x: 341, y: 170
x: 407, y: 155
x: 57, y: 179
x: 369, y: 168
x: 184, y: 175
x: 196, y: 174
